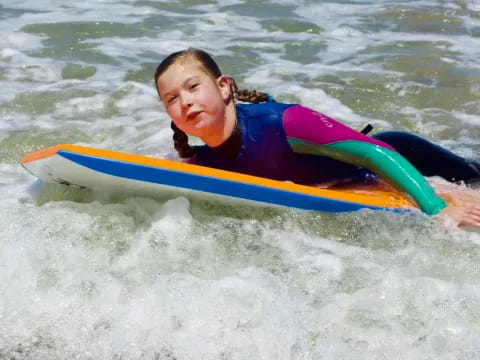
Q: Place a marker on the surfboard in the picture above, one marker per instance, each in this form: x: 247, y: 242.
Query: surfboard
x: 118, y: 172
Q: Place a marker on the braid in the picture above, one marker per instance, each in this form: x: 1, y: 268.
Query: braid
x: 180, y: 139
x: 251, y: 96
x: 180, y: 142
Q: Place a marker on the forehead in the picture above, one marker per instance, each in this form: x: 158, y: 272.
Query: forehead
x: 185, y: 68
x: 177, y: 74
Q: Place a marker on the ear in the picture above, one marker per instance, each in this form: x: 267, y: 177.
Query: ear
x: 223, y: 83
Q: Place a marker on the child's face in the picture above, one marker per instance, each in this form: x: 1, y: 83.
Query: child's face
x: 194, y: 100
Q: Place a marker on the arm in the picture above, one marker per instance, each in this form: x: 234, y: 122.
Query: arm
x: 310, y: 132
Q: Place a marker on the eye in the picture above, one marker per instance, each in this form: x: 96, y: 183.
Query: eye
x: 172, y: 99
x: 194, y: 86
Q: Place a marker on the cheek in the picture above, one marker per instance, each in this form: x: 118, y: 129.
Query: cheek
x: 173, y: 111
x: 179, y: 124
x: 175, y: 114
x: 214, y: 100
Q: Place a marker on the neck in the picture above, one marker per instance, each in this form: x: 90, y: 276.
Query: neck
x: 224, y: 132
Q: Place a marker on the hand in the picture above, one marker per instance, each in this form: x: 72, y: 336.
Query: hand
x: 463, y: 216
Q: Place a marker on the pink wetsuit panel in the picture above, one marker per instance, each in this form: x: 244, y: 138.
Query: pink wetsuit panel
x: 307, y: 125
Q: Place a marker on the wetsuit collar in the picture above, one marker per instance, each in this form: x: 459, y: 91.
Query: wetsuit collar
x: 231, y: 147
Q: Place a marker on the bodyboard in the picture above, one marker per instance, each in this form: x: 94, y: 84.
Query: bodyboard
x: 113, y: 171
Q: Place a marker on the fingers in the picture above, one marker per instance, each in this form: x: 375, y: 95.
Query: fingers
x: 463, y: 216
x: 473, y: 216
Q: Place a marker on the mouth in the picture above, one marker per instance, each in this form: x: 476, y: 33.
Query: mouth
x: 193, y: 115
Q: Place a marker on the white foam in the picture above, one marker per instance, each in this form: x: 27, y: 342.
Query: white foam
x: 143, y: 278
x: 470, y: 119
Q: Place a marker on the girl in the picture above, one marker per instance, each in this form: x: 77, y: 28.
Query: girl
x: 284, y: 141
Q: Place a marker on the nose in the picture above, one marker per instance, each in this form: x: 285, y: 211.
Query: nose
x: 186, y: 101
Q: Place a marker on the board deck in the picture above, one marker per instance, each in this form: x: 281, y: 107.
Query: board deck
x: 113, y: 171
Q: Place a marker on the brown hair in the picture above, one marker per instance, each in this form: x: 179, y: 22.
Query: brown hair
x: 180, y: 139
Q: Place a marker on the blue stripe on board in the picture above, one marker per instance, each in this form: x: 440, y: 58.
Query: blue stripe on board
x: 213, y: 185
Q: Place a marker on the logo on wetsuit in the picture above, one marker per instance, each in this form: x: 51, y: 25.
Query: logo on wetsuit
x: 323, y: 118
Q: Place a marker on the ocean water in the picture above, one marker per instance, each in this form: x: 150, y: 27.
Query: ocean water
x: 91, y: 276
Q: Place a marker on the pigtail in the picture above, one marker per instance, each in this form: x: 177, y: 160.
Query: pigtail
x: 180, y: 142
x: 180, y: 139
x: 251, y: 96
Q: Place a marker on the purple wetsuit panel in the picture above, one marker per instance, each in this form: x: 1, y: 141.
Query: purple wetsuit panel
x: 307, y: 125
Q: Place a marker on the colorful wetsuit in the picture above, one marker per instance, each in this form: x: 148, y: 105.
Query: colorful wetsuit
x: 291, y: 142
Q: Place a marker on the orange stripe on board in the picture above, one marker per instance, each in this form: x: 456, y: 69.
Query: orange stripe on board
x: 41, y: 154
x: 374, y: 198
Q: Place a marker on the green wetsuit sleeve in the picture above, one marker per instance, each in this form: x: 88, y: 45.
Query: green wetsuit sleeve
x: 388, y: 164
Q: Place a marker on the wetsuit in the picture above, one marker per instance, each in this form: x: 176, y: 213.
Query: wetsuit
x: 431, y: 159
x: 291, y: 142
